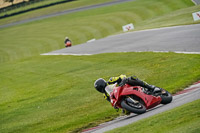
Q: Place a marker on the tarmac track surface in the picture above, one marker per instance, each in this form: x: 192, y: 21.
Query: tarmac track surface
x: 188, y: 95
x: 197, y: 2
x: 180, y: 39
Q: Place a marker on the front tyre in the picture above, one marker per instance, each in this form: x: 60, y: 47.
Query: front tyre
x: 166, y: 97
x: 136, y: 108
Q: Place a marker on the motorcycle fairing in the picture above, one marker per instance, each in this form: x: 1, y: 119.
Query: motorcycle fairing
x: 127, y: 90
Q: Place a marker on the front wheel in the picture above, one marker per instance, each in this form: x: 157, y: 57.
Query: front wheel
x: 166, y: 97
x: 137, y: 108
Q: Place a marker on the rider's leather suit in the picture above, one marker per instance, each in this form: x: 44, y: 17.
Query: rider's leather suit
x: 133, y: 80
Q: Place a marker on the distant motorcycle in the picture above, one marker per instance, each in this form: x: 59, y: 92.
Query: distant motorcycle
x: 136, y: 99
x: 68, y: 44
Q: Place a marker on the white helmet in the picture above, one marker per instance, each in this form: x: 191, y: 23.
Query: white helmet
x: 66, y: 37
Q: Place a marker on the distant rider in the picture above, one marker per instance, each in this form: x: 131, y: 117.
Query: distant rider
x: 100, y: 84
x: 67, y: 42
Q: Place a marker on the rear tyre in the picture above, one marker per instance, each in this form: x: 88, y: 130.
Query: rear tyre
x: 166, y: 98
x: 137, y: 108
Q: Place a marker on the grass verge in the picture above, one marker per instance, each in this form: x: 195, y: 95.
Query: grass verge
x: 183, y: 119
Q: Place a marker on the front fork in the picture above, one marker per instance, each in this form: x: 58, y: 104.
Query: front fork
x: 129, y: 99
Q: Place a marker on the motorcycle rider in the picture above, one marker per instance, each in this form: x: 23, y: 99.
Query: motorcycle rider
x: 100, y: 85
x: 67, y: 42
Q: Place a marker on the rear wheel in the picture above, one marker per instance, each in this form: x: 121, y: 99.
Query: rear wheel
x: 166, y: 97
x: 134, y: 107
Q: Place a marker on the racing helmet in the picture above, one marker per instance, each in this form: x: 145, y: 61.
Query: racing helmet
x: 100, y: 85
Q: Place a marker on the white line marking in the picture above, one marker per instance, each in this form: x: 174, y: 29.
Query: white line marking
x: 178, y: 52
x: 65, y: 54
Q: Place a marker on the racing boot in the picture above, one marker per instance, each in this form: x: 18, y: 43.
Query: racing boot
x: 133, y: 80
x: 153, y: 88
x: 157, y: 89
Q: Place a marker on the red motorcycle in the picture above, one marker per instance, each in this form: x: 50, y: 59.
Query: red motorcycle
x: 136, y: 99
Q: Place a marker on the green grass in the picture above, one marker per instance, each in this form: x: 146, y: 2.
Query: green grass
x: 56, y: 93
x: 184, y: 119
